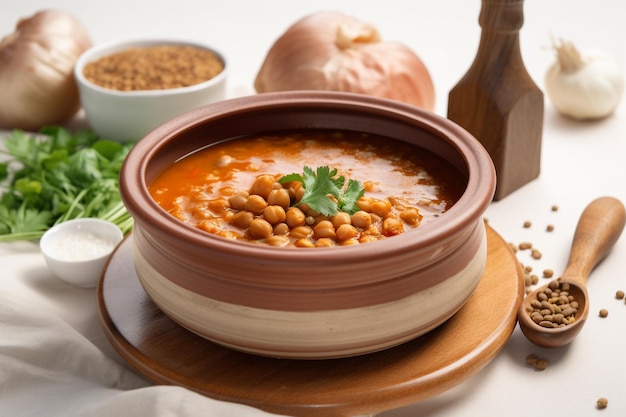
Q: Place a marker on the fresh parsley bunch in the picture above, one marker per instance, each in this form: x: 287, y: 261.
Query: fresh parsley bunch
x: 56, y: 176
x: 321, y: 185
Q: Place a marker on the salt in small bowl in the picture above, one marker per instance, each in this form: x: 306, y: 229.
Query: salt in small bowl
x: 77, y: 250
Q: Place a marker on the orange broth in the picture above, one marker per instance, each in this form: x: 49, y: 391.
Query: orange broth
x: 196, y: 188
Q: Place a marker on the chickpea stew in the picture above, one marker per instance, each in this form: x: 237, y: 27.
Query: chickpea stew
x: 233, y: 189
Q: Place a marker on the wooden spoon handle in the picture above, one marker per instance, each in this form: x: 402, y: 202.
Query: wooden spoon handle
x: 599, y: 227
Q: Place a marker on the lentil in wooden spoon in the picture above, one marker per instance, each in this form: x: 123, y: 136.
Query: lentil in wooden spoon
x: 564, y: 303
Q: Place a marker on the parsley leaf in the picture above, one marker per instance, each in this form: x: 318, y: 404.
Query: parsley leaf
x: 347, y: 201
x: 323, y: 190
x: 56, y: 176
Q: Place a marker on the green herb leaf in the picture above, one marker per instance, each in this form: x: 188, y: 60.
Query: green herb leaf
x: 323, y: 190
x: 56, y: 176
x: 347, y: 201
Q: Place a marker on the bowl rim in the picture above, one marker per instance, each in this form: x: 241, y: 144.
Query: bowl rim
x: 101, y: 50
x: 467, y: 210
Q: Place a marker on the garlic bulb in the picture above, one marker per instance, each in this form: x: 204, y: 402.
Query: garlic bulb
x: 585, y: 85
x: 36, y: 64
x: 332, y: 51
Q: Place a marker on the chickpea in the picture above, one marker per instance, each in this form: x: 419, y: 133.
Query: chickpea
x: 323, y: 229
x: 227, y: 216
x: 256, y: 204
x: 304, y: 243
x: 279, y: 197
x: 281, y: 229
x: 260, y: 229
x: 294, y: 217
x: 242, y: 219
x: 274, y: 214
x: 376, y: 218
x: 238, y: 200
x: 299, y: 193
x: 292, y: 189
x: 277, y: 240
x: 324, y: 243
x: 411, y: 216
x: 301, y: 232
x: 340, y: 218
x: 309, y: 211
x: 365, y: 203
x: 381, y: 208
x: 263, y: 185
x: 320, y: 218
x: 361, y: 219
x: 346, y: 231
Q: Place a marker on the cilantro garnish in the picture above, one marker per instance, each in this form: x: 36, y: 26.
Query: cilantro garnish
x: 324, y: 191
x: 55, y: 176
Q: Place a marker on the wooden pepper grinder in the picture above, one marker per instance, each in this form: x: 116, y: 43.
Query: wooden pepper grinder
x: 498, y: 102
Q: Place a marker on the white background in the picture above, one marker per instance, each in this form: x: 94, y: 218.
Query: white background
x: 581, y: 161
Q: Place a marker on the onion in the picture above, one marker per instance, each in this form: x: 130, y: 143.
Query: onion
x: 36, y: 64
x: 332, y: 51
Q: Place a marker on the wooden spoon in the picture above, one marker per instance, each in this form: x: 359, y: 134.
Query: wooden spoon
x: 599, y: 227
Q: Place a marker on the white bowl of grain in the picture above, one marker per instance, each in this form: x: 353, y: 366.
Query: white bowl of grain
x: 128, y: 88
x: 77, y: 250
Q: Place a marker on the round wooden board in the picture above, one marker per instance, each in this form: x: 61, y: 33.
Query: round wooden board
x: 166, y: 353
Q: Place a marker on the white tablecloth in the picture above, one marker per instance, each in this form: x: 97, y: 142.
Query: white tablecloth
x: 56, y: 361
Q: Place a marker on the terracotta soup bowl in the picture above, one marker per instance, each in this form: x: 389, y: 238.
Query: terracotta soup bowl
x: 310, y: 303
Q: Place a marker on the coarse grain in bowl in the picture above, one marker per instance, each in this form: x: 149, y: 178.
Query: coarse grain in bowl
x: 309, y: 303
x: 130, y: 115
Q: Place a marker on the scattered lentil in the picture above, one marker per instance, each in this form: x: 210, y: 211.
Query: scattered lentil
x: 154, y: 68
x: 525, y: 245
x: 536, y: 362
x: 527, y: 224
x: 549, y: 228
x: 531, y: 359
x: 536, y: 254
x: 602, y: 403
x: 555, y: 208
x: 604, y: 312
x: 541, y: 364
x: 548, y: 273
x: 619, y: 294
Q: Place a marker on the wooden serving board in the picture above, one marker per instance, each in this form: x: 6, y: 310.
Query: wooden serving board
x: 166, y: 353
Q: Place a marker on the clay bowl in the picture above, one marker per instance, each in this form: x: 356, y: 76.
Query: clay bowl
x: 309, y: 303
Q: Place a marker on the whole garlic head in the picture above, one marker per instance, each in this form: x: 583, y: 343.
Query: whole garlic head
x: 584, y: 85
x: 333, y: 51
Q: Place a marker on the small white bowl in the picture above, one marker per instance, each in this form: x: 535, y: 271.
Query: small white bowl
x: 77, y: 250
x: 130, y: 115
